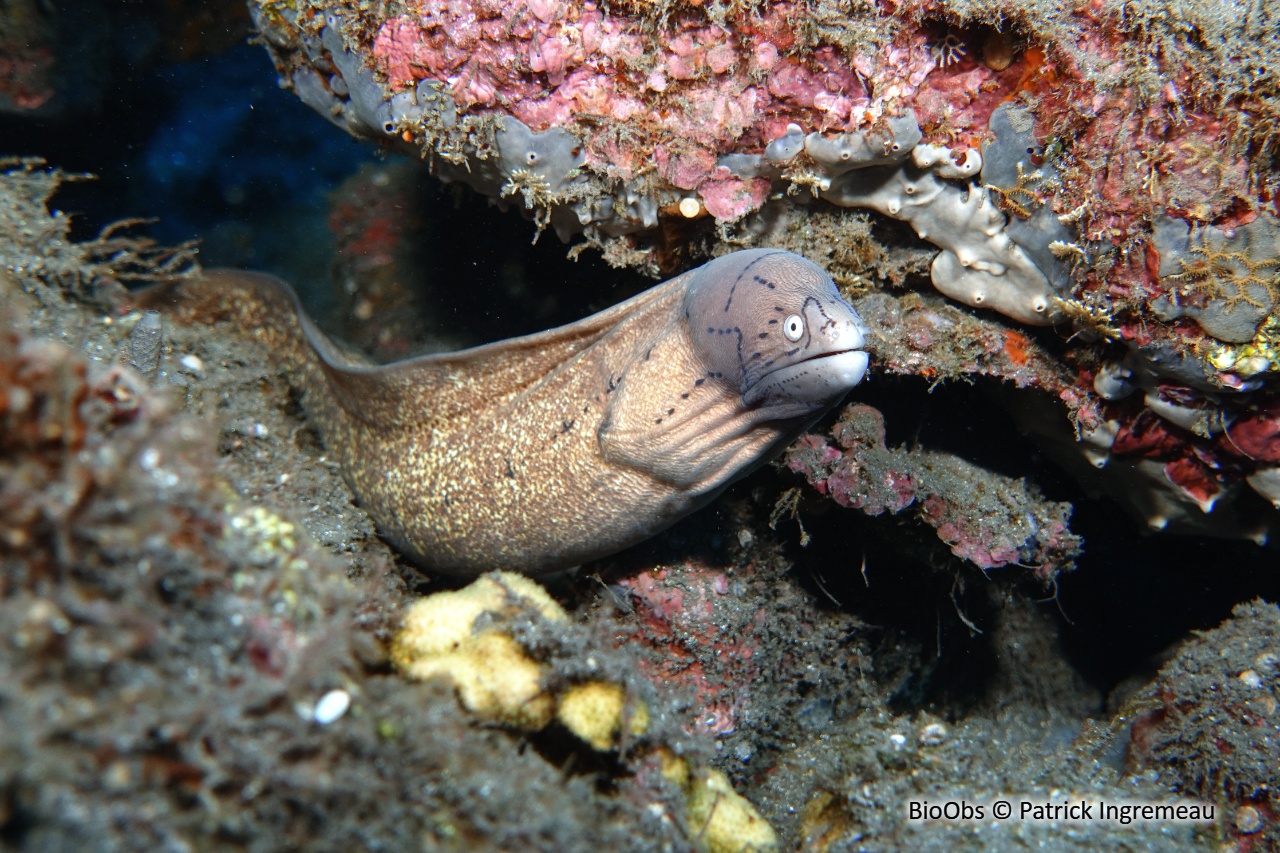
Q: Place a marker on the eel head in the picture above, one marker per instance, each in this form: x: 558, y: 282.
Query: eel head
x: 774, y: 327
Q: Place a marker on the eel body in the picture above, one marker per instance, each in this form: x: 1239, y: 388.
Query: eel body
x: 542, y: 452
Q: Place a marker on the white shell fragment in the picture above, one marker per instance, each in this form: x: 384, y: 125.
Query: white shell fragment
x: 690, y: 208
x: 331, y: 707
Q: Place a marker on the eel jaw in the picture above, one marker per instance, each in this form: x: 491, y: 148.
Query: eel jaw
x: 814, y: 384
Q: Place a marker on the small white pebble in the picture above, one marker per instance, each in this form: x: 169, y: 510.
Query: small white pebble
x: 192, y: 362
x: 933, y: 734
x: 331, y: 707
x: 1250, y: 678
x: 117, y: 776
x: 898, y: 740
x: 250, y: 429
x: 1248, y: 820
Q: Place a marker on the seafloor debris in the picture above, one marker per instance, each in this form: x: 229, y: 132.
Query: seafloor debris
x: 1207, y: 723
x: 1109, y: 168
x: 36, y: 243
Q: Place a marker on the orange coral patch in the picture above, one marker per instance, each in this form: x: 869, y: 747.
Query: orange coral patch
x: 1038, y: 75
x: 1016, y: 347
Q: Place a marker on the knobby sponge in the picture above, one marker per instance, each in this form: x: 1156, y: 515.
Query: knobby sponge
x: 721, y: 818
x: 979, y: 264
x: 597, y: 711
x: 463, y: 636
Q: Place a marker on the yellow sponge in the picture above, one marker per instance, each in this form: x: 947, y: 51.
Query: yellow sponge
x: 443, y: 636
x: 494, y: 677
x: 495, y: 680
x: 595, y: 711
x: 444, y: 621
x: 723, y: 820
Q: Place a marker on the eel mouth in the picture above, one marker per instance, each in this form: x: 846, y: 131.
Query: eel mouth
x: 816, y: 381
x: 847, y: 368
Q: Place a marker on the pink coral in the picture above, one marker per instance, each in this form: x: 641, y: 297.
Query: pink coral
x: 570, y: 65
x: 684, y: 169
x: 729, y: 197
x: 982, y: 517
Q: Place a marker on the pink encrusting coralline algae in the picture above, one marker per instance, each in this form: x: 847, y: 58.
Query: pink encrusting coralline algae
x: 699, y: 88
x: 685, y: 95
x: 985, y: 518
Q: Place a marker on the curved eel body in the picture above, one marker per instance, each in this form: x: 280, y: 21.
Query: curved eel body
x: 542, y: 452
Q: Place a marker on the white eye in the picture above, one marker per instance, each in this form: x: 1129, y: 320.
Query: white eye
x: 793, y: 327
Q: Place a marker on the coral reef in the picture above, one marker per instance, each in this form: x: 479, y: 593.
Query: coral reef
x: 371, y: 214
x: 1108, y: 168
x: 28, y: 77
x: 57, y: 60
x: 195, y: 617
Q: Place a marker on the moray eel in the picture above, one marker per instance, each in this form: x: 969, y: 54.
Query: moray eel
x: 542, y: 452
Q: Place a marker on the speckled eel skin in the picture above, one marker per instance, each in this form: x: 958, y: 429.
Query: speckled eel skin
x: 542, y: 452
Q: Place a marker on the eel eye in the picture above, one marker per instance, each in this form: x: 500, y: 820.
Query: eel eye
x: 793, y: 327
